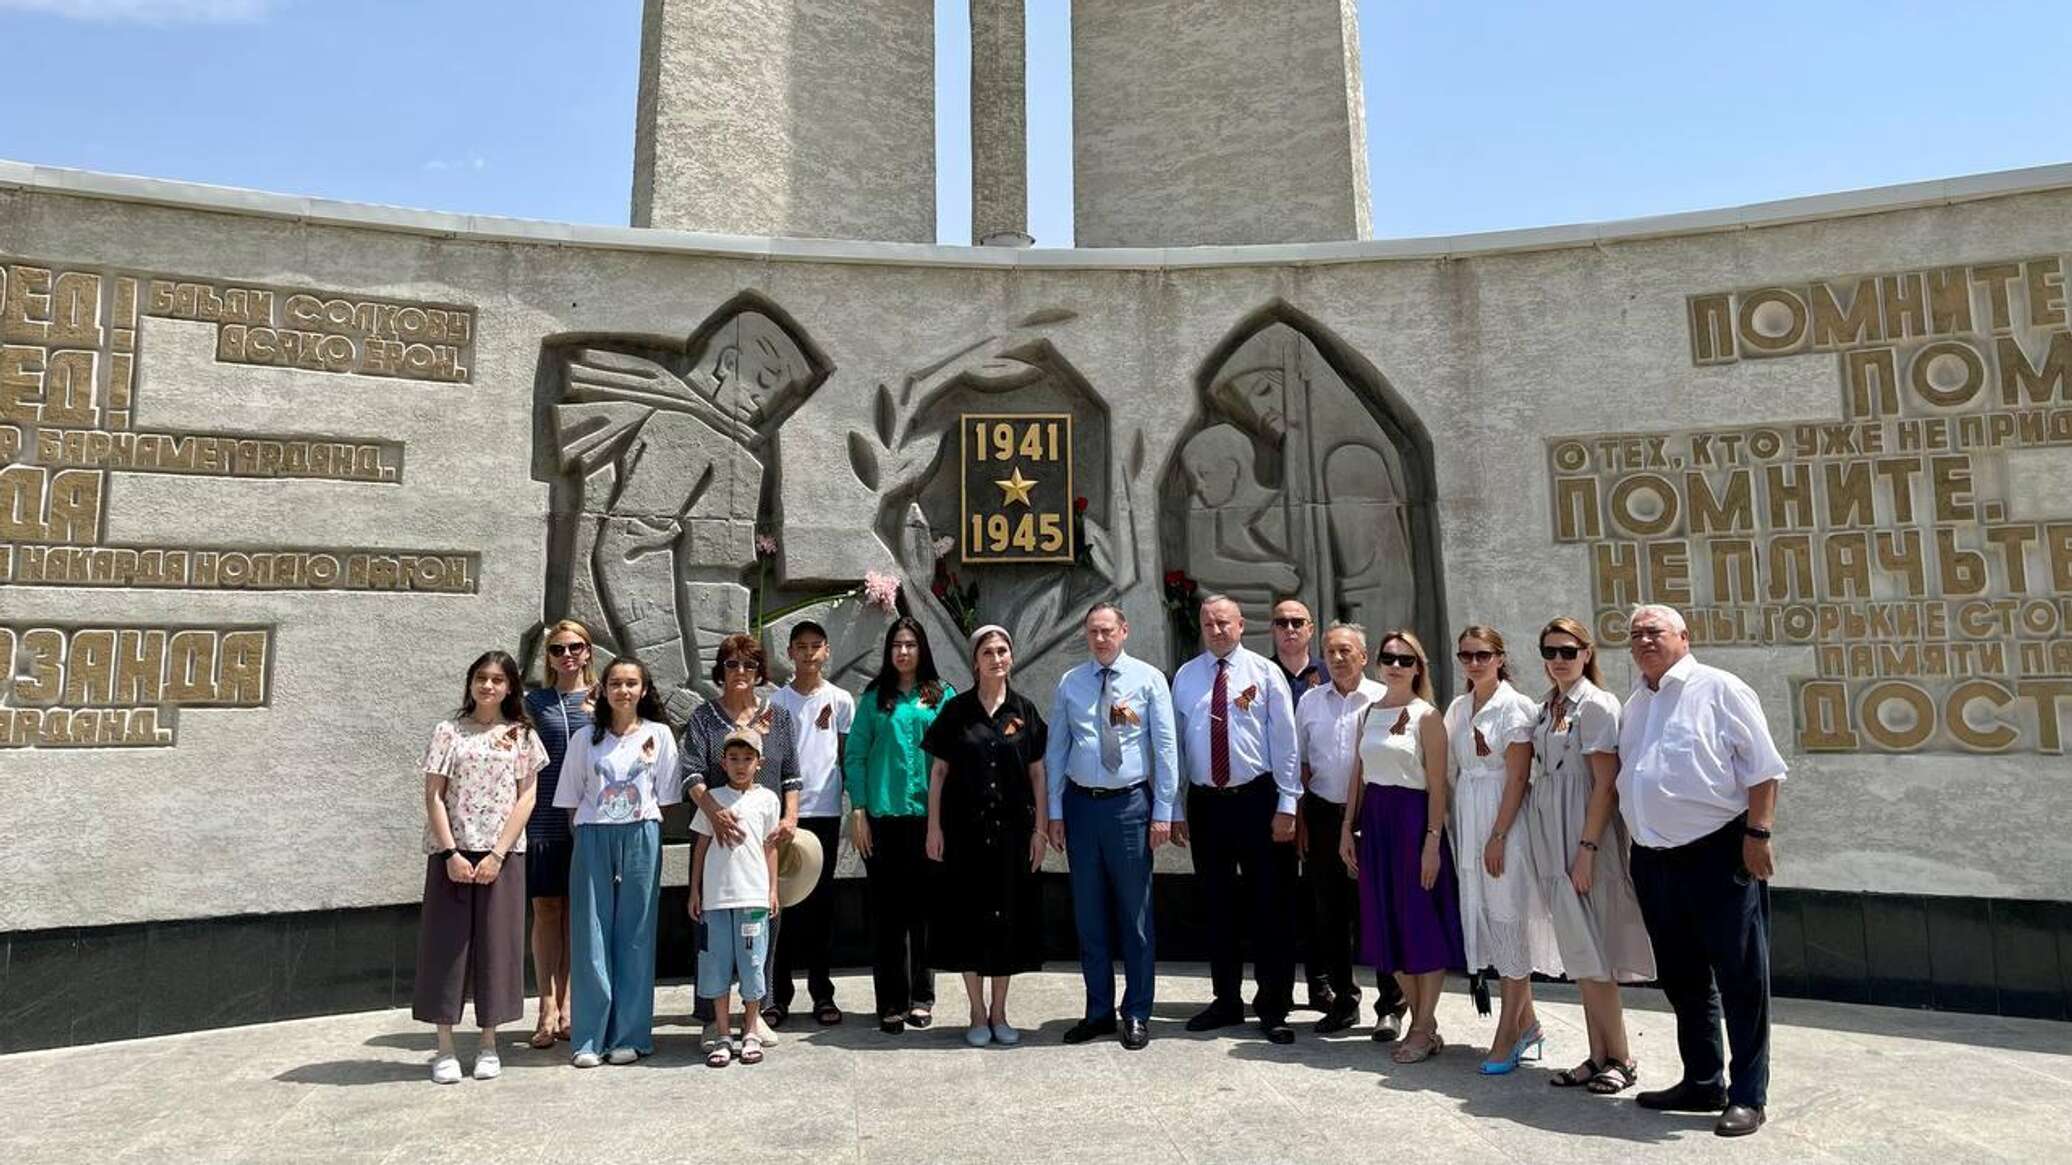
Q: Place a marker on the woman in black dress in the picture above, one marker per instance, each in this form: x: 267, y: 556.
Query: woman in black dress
x: 987, y: 813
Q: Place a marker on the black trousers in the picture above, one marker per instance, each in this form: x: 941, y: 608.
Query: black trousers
x: 1709, y: 921
x: 1334, y: 910
x: 901, y: 897
x: 808, y: 941
x: 1248, y: 886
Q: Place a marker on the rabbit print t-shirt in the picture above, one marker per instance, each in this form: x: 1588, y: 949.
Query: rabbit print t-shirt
x: 620, y: 779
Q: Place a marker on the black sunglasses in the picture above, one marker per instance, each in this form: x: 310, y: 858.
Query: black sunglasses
x: 1390, y: 659
x: 1474, y: 656
x: 1290, y: 622
x: 567, y: 648
x: 736, y: 663
x: 1550, y: 653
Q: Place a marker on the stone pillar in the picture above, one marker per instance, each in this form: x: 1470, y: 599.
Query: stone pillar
x: 1199, y: 122
x: 796, y: 118
x: 999, y: 124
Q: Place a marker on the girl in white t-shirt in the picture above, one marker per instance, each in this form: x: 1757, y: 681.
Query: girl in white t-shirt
x: 616, y: 778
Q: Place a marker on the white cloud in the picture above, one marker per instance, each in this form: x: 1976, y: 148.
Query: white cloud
x: 150, y: 11
x: 444, y: 165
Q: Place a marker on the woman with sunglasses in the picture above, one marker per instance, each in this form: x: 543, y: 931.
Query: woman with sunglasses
x: 559, y: 711
x: 618, y: 776
x: 1409, y: 890
x: 1503, y: 915
x: 740, y: 671
x: 1578, y: 845
x: 886, y: 774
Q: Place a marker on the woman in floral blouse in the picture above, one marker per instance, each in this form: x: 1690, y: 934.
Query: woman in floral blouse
x: 478, y: 791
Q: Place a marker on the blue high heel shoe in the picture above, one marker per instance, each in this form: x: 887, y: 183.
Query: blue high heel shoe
x: 1529, y: 1045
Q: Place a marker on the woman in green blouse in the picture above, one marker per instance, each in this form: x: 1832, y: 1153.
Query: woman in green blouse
x: 886, y: 775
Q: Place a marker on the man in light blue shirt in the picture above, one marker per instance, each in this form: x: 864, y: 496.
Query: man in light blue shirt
x: 1114, y: 778
x: 1237, y: 747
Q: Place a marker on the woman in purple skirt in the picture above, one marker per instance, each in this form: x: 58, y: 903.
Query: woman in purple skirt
x: 1409, y: 893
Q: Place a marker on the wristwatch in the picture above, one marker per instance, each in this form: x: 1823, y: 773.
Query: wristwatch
x: 1757, y: 832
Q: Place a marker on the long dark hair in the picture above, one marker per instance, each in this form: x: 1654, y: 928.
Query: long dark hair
x: 649, y: 707
x: 927, y: 684
x: 513, y: 707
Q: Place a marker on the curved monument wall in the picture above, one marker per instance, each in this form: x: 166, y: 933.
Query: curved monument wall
x: 275, y: 470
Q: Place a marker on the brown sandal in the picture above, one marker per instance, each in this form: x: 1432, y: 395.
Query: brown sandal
x: 542, y: 1038
x: 1407, y: 1053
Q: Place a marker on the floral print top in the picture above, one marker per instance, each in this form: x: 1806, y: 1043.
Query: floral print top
x: 484, y: 770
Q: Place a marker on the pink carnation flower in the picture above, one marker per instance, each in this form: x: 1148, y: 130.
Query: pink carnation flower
x: 765, y: 546
x: 881, y: 591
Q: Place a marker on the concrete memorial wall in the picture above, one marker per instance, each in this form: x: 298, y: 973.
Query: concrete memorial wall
x: 272, y: 471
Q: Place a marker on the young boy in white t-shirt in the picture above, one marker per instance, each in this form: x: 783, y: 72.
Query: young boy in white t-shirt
x: 733, y: 895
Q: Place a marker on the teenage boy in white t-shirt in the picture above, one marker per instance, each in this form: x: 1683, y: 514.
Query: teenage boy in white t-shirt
x: 821, y: 713
x: 733, y: 895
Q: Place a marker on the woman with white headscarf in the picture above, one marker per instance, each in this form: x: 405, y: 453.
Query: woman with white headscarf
x: 987, y: 816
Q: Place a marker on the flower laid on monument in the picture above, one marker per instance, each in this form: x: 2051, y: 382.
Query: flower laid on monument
x: 961, y: 600
x: 765, y: 546
x: 881, y: 591
x: 944, y: 545
x: 1079, y: 505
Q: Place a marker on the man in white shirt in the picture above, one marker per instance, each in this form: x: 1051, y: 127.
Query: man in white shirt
x: 1327, y: 730
x: 1698, y: 778
x: 1236, y: 726
x: 821, y: 713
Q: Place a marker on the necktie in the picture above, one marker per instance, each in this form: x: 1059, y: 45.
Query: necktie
x: 1111, y: 737
x: 1219, y: 727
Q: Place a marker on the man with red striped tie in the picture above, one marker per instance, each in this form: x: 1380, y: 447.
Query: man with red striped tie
x: 1236, y: 724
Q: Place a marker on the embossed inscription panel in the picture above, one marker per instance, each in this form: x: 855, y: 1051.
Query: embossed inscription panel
x: 70, y: 353
x: 1938, y: 608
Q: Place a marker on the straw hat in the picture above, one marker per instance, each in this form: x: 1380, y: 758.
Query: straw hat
x: 798, y: 868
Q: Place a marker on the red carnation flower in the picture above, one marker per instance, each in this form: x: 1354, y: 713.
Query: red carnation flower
x: 1079, y: 505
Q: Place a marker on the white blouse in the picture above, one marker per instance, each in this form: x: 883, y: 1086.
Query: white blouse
x: 1506, y: 719
x: 1392, y: 757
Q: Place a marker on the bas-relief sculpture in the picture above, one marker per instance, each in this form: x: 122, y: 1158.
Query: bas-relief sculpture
x: 905, y: 456
x: 1293, y: 485
x: 665, y: 463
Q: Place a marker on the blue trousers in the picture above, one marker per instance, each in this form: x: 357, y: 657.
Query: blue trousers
x: 614, y: 889
x: 1108, y: 845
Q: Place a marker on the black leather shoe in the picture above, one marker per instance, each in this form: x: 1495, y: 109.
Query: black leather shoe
x: 1685, y: 1097
x: 1277, y: 1031
x: 1090, y: 1029
x: 1135, y: 1034
x: 1321, y: 999
x: 1210, y: 1018
x: 1738, y: 1121
x: 1339, y: 1018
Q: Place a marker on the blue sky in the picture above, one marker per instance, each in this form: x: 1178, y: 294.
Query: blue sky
x: 1481, y: 116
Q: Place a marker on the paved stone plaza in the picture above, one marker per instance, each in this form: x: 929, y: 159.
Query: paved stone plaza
x: 1852, y: 1084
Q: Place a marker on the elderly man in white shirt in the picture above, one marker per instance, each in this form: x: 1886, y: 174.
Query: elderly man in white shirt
x: 1698, y: 777
x: 1327, y: 730
x: 1236, y: 725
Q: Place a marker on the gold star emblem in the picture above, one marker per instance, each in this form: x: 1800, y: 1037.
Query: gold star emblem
x: 1015, y: 488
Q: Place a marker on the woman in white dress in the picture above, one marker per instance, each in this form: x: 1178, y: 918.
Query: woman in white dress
x: 1503, y: 914
x: 1578, y: 845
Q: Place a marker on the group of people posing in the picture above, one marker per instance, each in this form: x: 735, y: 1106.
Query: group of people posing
x: 1553, y: 833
